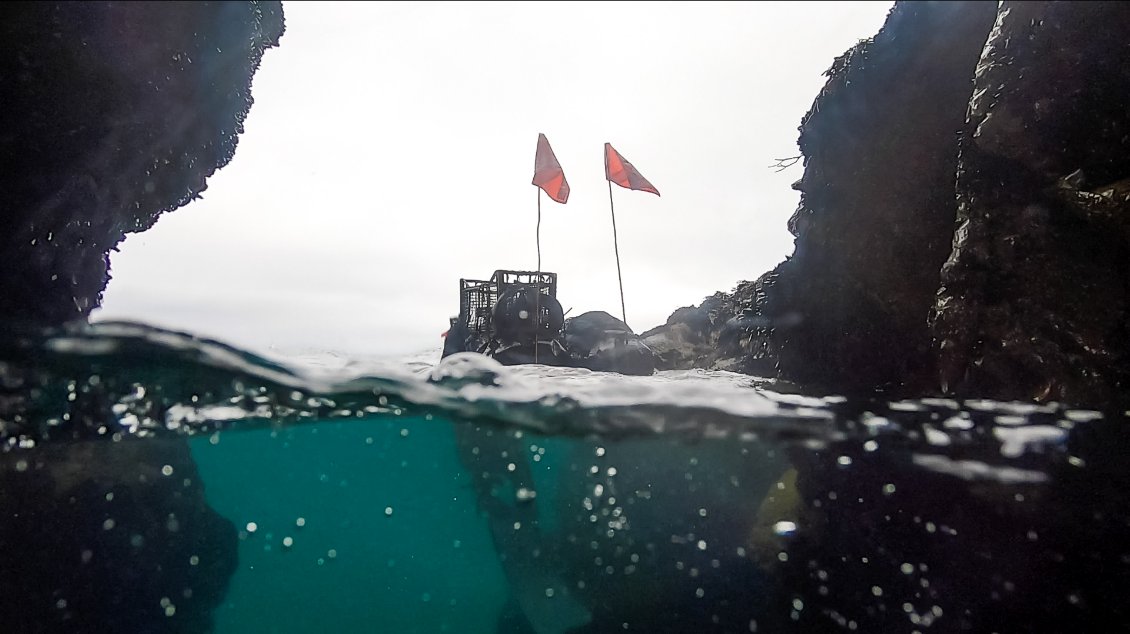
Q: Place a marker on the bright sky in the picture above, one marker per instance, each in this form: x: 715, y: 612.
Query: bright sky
x: 391, y: 147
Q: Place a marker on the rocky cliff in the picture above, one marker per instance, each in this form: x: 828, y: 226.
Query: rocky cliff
x: 962, y: 225
x: 113, y: 113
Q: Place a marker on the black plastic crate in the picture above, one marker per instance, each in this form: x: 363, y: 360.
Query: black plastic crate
x: 477, y: 298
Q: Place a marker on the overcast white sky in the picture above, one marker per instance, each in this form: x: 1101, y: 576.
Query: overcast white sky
x: 391, y: 146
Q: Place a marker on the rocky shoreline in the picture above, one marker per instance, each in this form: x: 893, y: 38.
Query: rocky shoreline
x: 962, y: 224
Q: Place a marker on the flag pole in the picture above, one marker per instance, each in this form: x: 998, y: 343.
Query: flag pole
x: 537, y: 297
x: 616, y: 245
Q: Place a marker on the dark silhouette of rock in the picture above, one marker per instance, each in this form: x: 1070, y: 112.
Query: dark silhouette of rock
x: 1035, y: 297
x: 112, y: 114
x: 1000, y: 275
x: 876, y: 215
x: 1024, y: 548
x: 847, y: 312
x: 727, y: 331
x: 598, y: 341
x: 100, y: 536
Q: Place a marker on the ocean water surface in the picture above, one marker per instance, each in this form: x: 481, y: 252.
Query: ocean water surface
x: 414, y: 495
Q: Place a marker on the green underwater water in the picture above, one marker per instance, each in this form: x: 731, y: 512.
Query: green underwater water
x: 429, y: 566
x: 392, y: 538
x: 472, y: 497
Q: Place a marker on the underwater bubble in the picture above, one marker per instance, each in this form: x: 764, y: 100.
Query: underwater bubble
x: 784, y: 528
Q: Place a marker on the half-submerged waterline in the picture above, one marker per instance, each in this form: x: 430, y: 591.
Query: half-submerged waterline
x: 470, y: 497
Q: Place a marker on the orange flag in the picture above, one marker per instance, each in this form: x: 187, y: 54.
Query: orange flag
x: 618, y: 170
x: 548, y: 173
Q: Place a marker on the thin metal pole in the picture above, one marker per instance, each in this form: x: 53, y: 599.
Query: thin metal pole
x: 616, y: 245
x: 539, y: 231
x: 537, y: 297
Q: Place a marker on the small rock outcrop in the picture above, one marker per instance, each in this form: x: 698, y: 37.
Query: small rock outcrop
x: 598, y: 341
x: 727, y: 331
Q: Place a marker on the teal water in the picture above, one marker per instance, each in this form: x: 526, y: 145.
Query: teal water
x: 385, y: 528
x: 429, y: 566
x: 153, y: 481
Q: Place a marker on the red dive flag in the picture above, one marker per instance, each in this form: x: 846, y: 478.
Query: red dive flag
x: 618, y: 170
x: 548, y: 173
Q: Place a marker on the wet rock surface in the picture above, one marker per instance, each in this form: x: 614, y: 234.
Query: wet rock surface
x: 1034, y: 298
x: 102, y: 536
x: 600, y: 342
x: 113, y: 114
x: 962, y: 220
x: 727, y: 331
x: 876, y: 214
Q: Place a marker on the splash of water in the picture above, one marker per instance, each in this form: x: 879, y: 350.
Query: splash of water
x: 118, y: 379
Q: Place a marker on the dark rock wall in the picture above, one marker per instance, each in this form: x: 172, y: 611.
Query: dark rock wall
x: 877, y: 207
x: 97, y: 538
x: 113, y: 113
x: 963, y: 220
x: 1034, y: 299
x: 848, y: 310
